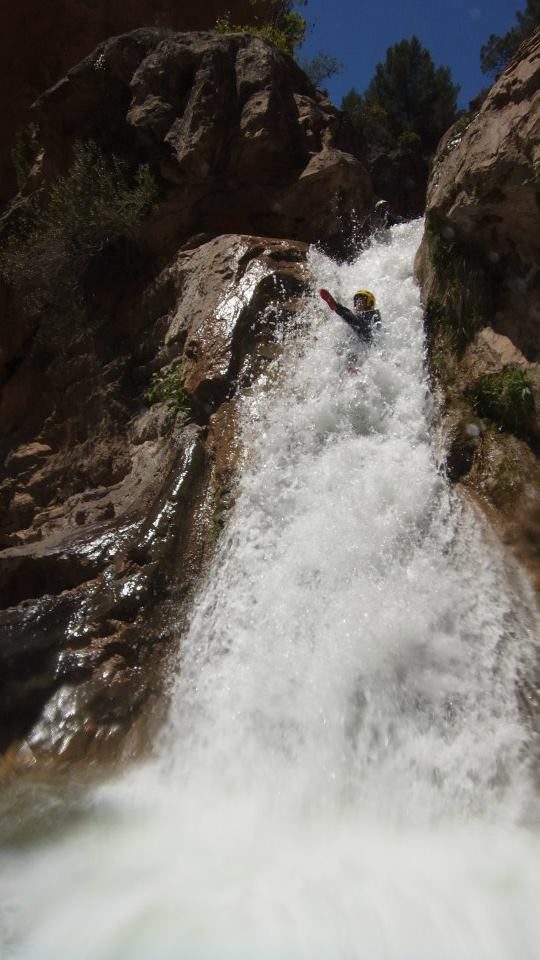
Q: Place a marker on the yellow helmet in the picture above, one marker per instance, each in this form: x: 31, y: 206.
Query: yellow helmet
x: 369, y: 298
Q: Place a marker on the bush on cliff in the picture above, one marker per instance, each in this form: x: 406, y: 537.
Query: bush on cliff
x: 59, y: 231
x: 505, y: 398
x: 281, y: 25
x: 321, y: 67
x: 167, y: 387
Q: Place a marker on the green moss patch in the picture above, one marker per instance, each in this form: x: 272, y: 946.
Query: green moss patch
x: 506, y: 399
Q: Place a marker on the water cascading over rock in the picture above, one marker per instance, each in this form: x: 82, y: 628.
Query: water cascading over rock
x: 345, y: 769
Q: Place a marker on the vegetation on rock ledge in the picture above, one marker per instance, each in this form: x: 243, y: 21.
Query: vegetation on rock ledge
x: 505, y: 398
x: 466, y: 291
x: 284, y: 27
x: 57, y: 232
x: 167, y: 386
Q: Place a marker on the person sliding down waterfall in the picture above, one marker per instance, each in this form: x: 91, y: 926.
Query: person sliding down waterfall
x: 363, y: 319
x: 364, y: 316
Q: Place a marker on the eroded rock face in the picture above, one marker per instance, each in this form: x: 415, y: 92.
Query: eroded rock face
x: 479, y: 266
x: 483, y: 196
x: 239, y: 138
x: 108, y: 497
x: 41, y: 42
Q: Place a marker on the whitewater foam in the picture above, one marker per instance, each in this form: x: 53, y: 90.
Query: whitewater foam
x: 344, y: 773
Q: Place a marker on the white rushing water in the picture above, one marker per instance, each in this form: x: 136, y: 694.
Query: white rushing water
x: 344, y: 773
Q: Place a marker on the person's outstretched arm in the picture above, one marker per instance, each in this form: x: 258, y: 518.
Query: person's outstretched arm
x: 338, y: 308
x: 328, y: 298
x: 354, y: 321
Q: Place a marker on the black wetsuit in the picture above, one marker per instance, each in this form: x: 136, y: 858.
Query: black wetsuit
x: 362, y: 323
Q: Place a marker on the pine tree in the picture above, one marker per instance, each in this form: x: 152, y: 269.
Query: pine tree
x: 353, y: 104
x: 408, y: 100
x: 498, y: 51
x: 413, y: 94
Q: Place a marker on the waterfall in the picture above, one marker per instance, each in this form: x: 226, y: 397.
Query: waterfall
x: 344, y: 772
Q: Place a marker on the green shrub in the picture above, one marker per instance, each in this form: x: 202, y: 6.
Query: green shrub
x: 284, y: 40
x: 57, y: 232
x: 167, y: 386
x: 441, y: 249
x: 505, y: 398
x: 283, y: 27
x: 323, y: 66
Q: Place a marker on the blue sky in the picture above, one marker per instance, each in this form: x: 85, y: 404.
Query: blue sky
x: 358, y: 33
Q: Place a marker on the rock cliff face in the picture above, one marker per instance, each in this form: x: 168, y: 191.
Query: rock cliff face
x: 479, y: 269
x: 118, y: 445
x: 41, y: 42
x: 241, y: 140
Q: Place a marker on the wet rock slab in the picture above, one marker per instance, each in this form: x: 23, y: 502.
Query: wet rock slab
x: 92, y: 609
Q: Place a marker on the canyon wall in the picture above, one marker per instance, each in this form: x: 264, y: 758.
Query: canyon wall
x: 479, y: 267
x: 129, y: 339
x: 41, y: 42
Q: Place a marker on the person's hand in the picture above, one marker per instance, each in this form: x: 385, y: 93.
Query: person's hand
x: 328, y: 298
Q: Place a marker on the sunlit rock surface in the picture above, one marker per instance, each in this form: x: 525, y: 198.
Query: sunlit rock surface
x: 112, y: 505
x: 484, y: 193
x: 479, y: 266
